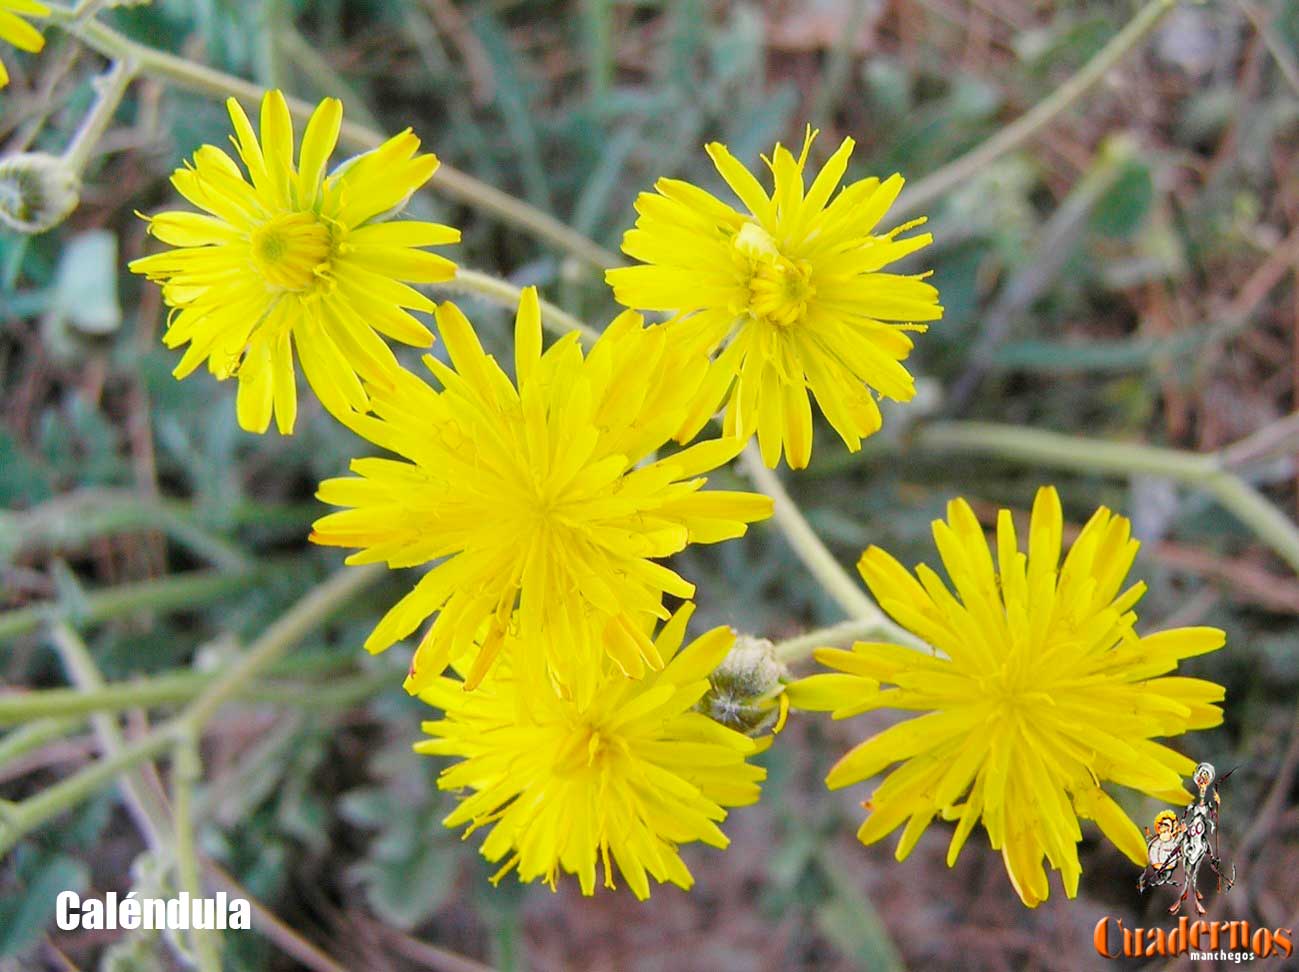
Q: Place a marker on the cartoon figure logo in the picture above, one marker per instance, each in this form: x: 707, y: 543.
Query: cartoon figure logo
x: 1188, y: 842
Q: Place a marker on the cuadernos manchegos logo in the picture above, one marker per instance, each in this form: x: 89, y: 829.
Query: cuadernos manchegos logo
x: 1177, y: 849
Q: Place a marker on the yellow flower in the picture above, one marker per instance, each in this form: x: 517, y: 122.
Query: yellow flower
x: 18, y: 32
x: 622, y: 781
x: 792, y: 291
x: 1044, y: 692
x: 296, y: 260
x: 541, y: 494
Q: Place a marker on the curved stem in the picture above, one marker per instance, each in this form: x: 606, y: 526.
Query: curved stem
x: 309, y: 612
x: 924, y: 191
x: 111, y: 88
x: 22, y: 818
x: 185, y: 590
x: 33, y: 735
x: 841, y: 635
x: 1206, y: 471
x: 87, y: 677
x: 217, y: 84
x: 291, y: 627
x: 1064, y: 451
x: 177, y: 689
x: 865, y: 614
x: 87, y: 8
x: 502, y: 292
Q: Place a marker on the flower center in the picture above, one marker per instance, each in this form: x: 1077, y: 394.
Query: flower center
x: 779, y: 288
x: 582, y: 749
x: 291, y: 250
x: 1017, y: 693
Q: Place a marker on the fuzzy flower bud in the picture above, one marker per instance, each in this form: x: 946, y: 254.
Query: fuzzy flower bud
x: 37, y: 192
x: 747, y: 691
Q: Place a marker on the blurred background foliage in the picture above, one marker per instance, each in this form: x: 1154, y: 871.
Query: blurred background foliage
x: 1130, y: 275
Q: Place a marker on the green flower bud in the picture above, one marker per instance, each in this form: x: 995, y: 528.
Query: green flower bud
x: 37, y: 192
x: 746, y: 687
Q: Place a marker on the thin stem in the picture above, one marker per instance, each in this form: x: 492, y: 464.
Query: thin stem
x: 175, y: 689
x: 111, y: 88
x: 431, y: 956
x: 924, y: 191
x: 309, y: 612
x: 1205, y: 471
x: 841, y: 635
x: 85, y: 674
x: 33, y: 735
x: 76, y: 518
x: 1064, y: 451
x: 1273, y: 439
x: 31, y: 813
x: 306, y: 615
x: 88, y: 8
x: 502, y: 292
x: 217, y: 84
x: 186, y: 771
x: 836, y: 581
x: 186, y: 590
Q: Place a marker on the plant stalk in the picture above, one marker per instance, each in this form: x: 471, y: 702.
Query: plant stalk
x: 924, y: 191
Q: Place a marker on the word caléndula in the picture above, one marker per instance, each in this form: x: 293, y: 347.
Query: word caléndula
x: 172, y: 914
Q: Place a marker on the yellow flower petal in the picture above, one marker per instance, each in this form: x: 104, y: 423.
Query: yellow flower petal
x: 791, y: 296
x: 1042, y: 692
x: 537, y: 494
x: 283, y: 262
x: 615, y: 784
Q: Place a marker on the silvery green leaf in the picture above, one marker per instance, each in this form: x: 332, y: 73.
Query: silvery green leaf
x: 85, y: 288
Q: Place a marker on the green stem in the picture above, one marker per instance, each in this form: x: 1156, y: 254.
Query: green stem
x: 31, y: 813
x: 76, y: 518
x: 33, y: 735
x: 305, y: 616
x: 803, y: 539
x: 841, y: 635
x: 1064, y: 451
x: 88, y: 8
x: 217, y: 84
x: 816, y: 557
x: 175, y: 689
x: 186, y: 771
x: 186, y: 590
x: 85, y: 674
x: 308, y: 613
x: 597, y: 17
x: 111, y: 88
x: 502, y: 292
x: 1206, y: 471
x: 924, y: 191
